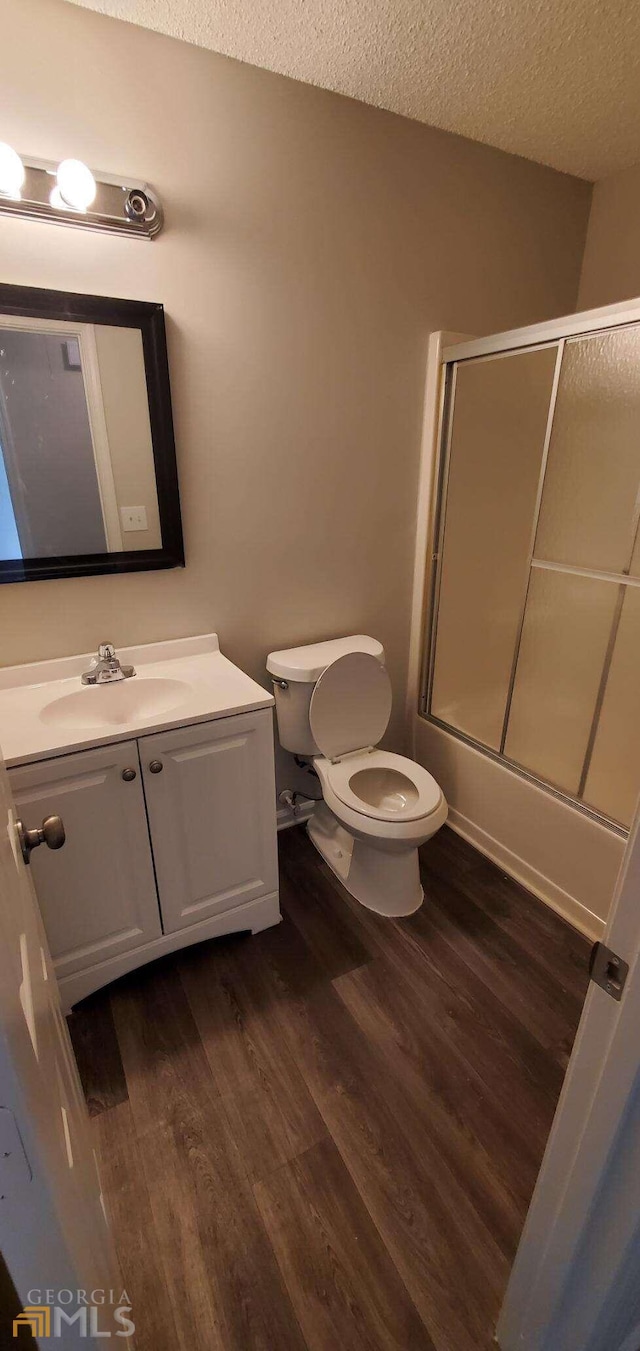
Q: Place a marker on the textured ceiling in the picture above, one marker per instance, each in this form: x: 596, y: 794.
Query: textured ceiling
x: 554, y: 80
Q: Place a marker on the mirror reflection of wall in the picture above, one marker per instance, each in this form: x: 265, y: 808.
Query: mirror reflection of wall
x: 77, y: 472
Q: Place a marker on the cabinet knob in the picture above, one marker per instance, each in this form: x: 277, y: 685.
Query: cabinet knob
x: 155, y: 766
x: 128, y: 775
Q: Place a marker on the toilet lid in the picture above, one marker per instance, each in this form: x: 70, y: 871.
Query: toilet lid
x: 350, y: 705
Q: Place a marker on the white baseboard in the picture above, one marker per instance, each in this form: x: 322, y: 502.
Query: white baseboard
x: 285, y: 817
x: 565, y: 905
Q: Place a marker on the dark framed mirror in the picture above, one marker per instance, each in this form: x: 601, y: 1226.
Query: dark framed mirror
x: 88, y: 477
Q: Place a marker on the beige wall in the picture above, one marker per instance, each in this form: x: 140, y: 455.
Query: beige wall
x: 126, y: 412
x: 611, y: 266
x: 312, y: 243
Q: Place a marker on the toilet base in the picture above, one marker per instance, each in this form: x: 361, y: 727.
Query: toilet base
x: 385, y: 882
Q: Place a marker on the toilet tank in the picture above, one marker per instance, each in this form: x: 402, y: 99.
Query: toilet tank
x: 300, y: 668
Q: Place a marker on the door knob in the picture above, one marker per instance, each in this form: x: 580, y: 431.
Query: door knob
x: 128, y: 775
x: 155, y: 766
x: 50, y: 833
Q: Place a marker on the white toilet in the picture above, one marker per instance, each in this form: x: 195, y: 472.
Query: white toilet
x: 333, y: 702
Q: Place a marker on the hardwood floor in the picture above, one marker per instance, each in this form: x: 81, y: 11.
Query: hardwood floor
x: 327, y: 1135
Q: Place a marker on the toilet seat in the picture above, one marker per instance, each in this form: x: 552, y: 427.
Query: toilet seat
x: 374, y: 783
x: 348, y: 714
x: 351, y: 705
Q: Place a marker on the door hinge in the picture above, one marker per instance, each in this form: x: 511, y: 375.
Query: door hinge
x: 608, y: 970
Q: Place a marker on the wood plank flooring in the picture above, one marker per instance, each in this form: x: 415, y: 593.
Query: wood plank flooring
x: 327, y: 1135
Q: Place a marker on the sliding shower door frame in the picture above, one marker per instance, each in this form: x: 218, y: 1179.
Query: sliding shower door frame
x: 532, y: 542
x: 569, y: 326
x: 445, y: 435
x: 555, y: 333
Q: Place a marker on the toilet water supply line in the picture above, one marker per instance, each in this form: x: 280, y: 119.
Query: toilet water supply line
x: 289, y: 796
x: 288, y: 799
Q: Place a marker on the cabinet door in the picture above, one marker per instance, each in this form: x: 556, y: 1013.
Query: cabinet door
x: 211, y: 805
x: 97, y: 896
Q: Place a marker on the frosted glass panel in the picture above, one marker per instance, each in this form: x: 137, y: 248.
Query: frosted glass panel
x: 593, y: 469
x: 613, y: 782
x: 566, y: 631
x: 499, y: 424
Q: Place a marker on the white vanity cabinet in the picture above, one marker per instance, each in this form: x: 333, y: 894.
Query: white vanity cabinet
x: 210, y: 801
x: 97, y: 895
x: 170, y: 839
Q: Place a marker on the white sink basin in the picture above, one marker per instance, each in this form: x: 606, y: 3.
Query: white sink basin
x: 45, y: 710
x: 116, y: 704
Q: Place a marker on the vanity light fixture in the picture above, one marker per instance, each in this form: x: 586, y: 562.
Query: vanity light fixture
x: 12, y: 173
x: 75, y: 184
x: 69, y: 193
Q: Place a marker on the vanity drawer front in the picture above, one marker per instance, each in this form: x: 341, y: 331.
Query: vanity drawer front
x: 211, y: 804
x: 97, y: 894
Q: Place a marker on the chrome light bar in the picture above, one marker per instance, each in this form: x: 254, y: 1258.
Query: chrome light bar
x: 118, y: 206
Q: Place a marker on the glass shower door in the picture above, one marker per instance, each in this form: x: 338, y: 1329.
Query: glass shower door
x: 499, y: 414
x: 536, y: 644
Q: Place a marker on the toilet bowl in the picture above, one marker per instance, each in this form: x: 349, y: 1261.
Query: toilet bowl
x: 333, y: 702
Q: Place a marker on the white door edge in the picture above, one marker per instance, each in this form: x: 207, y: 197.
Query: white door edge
x: 590, y: 1159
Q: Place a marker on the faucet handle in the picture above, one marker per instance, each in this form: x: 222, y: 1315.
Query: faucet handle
x: 106, y: 652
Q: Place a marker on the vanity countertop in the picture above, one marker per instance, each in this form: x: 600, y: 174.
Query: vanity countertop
x: 46, y: 711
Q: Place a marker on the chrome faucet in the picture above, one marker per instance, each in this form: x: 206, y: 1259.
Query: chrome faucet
x: 106, y: 667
